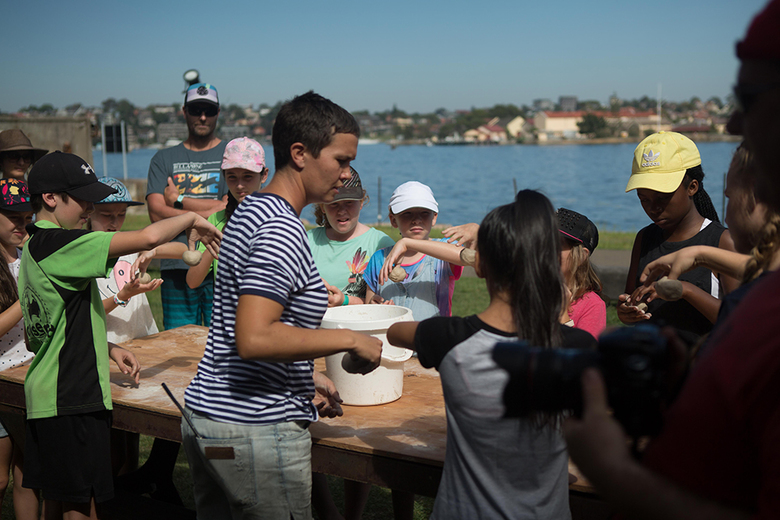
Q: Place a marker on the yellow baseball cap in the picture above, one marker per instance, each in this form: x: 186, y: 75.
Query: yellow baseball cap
x: 660, y: 162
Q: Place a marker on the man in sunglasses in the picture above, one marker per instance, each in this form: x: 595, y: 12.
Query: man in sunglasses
x: 186, y: 177
x: 718, y: 454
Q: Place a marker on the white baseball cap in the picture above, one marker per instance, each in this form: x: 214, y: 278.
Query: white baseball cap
x: 412, y: 194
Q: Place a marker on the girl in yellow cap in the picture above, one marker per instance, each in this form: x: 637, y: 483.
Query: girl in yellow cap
x: 668, y: 178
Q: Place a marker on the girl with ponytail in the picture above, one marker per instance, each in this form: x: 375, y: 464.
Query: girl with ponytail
x: 518, y: 251
x: 669, y: 181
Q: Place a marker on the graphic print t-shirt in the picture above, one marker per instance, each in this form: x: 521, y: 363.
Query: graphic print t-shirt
x: 343, y: 264
x: 64, y: 320
x: 196, y: 174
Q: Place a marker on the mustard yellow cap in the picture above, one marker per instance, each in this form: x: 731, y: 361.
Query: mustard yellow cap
x: 660, y: 162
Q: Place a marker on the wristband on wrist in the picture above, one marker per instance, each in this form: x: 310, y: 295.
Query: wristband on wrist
x: 346, y: 301
x: 121, y: 303
x: 179, y: 204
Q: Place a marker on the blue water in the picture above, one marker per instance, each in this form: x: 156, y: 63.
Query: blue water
x: 468, y: 181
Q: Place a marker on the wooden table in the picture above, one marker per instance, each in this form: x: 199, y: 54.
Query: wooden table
x: 398, y: 445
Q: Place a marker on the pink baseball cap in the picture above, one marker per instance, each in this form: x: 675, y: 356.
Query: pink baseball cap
x: 245, y: 153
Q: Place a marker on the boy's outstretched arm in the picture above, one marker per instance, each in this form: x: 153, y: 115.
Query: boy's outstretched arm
x: 153, y: 235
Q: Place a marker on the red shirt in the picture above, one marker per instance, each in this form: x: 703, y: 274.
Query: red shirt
x: 721, y: 438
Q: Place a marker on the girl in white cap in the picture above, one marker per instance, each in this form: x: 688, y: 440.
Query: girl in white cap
x: 243, y: 165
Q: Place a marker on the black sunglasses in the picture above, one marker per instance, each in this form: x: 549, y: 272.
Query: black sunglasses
x: 15, y: 156
x: 746, y: 94
x: 197, y: 110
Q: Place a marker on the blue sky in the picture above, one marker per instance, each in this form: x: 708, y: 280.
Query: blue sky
x: 369, y: 55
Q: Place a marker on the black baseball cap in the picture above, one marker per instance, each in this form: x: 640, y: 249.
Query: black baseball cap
x: 578, y: 227
x: 60, y: 172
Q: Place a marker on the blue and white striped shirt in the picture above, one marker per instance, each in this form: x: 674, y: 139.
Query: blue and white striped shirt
x: 264, y: 252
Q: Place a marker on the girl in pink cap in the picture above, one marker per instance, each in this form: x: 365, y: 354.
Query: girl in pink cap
x: 243, y: 165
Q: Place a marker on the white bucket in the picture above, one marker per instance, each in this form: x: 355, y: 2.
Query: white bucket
x: 384, y: 384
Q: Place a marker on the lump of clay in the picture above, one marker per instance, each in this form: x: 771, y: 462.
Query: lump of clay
x: 642, y: 306
x: 192, y: 257
x: 398, y: 274
x: 145, y: 278
x: 468, y: 256
x: 669, y: 290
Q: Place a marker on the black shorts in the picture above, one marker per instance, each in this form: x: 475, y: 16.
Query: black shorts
x: 69, y: 457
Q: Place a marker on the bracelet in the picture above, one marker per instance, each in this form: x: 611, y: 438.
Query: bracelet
x: 178, y: 204
x: 121, y: 303
x: 346, y: 301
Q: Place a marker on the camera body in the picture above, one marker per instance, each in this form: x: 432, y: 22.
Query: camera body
x: 633, y: 361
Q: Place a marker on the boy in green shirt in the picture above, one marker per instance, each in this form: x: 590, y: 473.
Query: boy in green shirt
x: 67, y: 388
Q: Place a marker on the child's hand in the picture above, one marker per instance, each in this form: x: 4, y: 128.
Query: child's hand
x: 141, y: 263
x: 391, y: 259
x: 326, y: 397
x: 126, y: 361
x: 628, y: 312
x: 335, y: 296
x: 464, y: 235
x: 204, y: 232
x: 671, y: 265
x: 378, y: 300
x: 135, y: 287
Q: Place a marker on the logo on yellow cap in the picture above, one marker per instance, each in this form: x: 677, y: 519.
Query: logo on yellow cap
x: 650, y: 159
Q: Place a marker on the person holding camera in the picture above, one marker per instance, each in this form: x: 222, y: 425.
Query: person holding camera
x: 718, y: 454
x: 498, y: 466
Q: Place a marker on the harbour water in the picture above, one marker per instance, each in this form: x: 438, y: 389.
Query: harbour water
x: 468, y: 181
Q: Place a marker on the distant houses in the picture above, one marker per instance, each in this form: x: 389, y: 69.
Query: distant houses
x: 627, y: 122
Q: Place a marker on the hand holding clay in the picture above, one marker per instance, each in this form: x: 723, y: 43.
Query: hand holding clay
x: 669, y: 290
x: 398, y: 274
x: 365, y: 356
x: 192, y: 257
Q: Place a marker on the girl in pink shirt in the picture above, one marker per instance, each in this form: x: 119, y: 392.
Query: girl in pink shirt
x: 579, y: 238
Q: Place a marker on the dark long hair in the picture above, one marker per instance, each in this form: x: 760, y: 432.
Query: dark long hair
x: 519, y: 255
x: 701, y: 199
x: 9, y: 294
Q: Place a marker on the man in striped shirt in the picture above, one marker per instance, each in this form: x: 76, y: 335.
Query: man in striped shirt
x: 251, y: 400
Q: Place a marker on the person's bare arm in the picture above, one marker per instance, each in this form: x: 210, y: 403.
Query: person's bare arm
x: 162, y: 231
x: 203, y: 207
x: 441, y: 250
x: 159, y: 210
x: 261, y: 335
x: 720, y: 261
x: 197, y: 273
x: 130, y: 289
x: 402, y: 334
x: 10, y: 317
x: 597, y: 445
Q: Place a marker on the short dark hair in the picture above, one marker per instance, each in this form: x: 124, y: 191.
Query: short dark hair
x: 312, y: 120
x: 36, y: 201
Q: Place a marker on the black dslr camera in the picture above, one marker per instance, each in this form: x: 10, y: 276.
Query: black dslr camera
x: 632, y: 359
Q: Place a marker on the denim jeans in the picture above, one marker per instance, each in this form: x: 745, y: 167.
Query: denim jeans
x: 267, y: 474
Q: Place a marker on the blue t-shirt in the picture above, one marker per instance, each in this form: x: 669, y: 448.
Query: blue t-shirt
x: 444, y: 277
